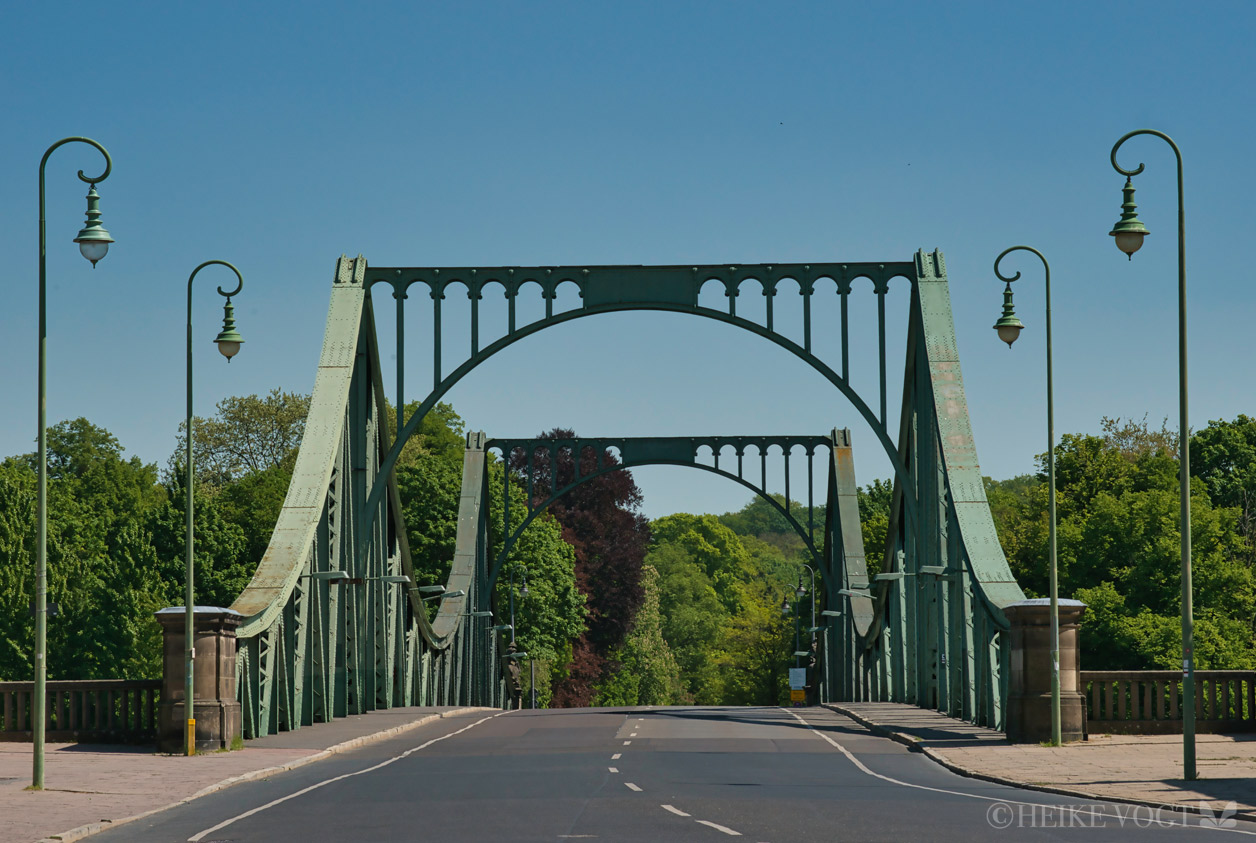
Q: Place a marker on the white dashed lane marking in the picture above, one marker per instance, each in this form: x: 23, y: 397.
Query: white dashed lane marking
x: 674, y: 810
x: 632, y: 787
x: 616, y: 756
x: 719, y: 827
x: 613, y: 769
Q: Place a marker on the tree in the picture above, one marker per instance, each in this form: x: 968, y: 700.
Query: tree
x: 754, y: 649
x: 1223, y: 456
x: 429, y: 478
x: 647, y: 672
x: 719, y: 597
x: 875, y: 501
x: 102, y: 571
x: 247, y: 435
x: 1119, y: 545
x: 601, y: 521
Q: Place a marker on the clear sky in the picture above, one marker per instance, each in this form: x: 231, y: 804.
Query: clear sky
x: 279, y: 135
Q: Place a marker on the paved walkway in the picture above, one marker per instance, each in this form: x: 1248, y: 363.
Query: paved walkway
x: 1144, y: 769
x: 90, y: 786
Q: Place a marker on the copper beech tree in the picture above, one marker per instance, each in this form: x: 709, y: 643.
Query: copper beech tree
x: 600, y: 519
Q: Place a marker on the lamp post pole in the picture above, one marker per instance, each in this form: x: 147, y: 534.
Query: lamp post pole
x: 1129, y: 233
x: 531, y: 662
x: 229, y: 345
x: 93, y: 242
x: 1009, y: 328
x: 813, y: 599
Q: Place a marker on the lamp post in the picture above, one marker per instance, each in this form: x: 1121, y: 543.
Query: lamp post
x: 228, y: 341
x: 801, y: 591
x: 523, y: 592
x: 1129, y: 233
x: 1009, y: 328
x: 93, y: 243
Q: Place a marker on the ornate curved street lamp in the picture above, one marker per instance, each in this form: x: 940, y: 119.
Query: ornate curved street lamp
x: 1009, y: 328
x: 93, y: 243
x: 1129, y: 233
x: 228, y: 342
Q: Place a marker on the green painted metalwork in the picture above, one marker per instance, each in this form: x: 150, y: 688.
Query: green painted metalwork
x: 1129, y: 238
x: 228, y: 341
x: 93, y: 247
x: 1051, y: 514
x: 314, y: 646
x: 933, y: 634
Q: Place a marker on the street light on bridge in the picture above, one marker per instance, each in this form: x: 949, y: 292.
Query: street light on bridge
x: 1009, y: 328
x: 93, y: 242
x: 228, y: 342
x: 1129, y: 233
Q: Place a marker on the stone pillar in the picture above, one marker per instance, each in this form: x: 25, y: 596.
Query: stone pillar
x: 1029, y: 686
x: 216, y: 708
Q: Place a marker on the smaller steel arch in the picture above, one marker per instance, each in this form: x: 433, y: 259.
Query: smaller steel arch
x: 641, y: 451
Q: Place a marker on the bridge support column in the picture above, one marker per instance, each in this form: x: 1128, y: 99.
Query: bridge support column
x: 217, y: 710
x: 1029, y: 703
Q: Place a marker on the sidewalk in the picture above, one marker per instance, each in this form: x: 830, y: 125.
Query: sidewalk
x: 1142, y: 769
x: 91, y: 787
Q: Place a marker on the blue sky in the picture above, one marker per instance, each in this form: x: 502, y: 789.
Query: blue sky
x: 280, y: 135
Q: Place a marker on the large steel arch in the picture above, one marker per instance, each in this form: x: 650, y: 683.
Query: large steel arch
x: 611, y: 289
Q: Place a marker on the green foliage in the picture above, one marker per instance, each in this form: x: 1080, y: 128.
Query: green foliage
x: 647, y: 671
x: 1223, y: 456
x: 247, y: 435
x: 429, y: 479
x: 719, y: 596
x: 1119, y: 545
x: 754, y: 648
x: 100, y: 554
x: 221, y: 563
x: 875, y: 500
x: 764, y: 521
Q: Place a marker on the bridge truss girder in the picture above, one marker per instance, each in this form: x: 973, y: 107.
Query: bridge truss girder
x: 928, y: 633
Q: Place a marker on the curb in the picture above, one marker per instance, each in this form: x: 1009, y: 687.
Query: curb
x: 914, y: 745
x: 94, y: 828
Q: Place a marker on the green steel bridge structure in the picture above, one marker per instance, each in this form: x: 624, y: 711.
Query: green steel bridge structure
x: 334, y: 623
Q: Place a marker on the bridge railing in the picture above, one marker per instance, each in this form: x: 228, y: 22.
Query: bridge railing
x: 96, y: 710
x: 1150, y: 701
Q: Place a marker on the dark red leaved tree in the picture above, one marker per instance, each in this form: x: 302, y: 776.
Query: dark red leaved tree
x: 600, y: 519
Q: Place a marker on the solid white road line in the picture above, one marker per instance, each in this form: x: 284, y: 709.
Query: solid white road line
x: 719, y: 827
x: 862, y: 768
x: 632, y: 787
x: 674, y: 810
x: 197, y: 837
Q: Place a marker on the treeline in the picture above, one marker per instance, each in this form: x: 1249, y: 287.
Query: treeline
x: 116, y: 535
x: 1117, y: 498
x: 620, y: 611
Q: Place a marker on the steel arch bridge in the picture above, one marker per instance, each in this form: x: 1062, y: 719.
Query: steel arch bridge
x: 331, y: 627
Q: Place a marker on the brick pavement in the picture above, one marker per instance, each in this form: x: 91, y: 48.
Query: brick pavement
x: 1143, y: 769
x: 90, y: 784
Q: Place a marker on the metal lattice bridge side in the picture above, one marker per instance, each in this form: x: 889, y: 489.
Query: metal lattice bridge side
x: 335, y: 625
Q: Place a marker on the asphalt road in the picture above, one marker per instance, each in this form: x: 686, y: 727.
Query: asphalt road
x: 703, y: 774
